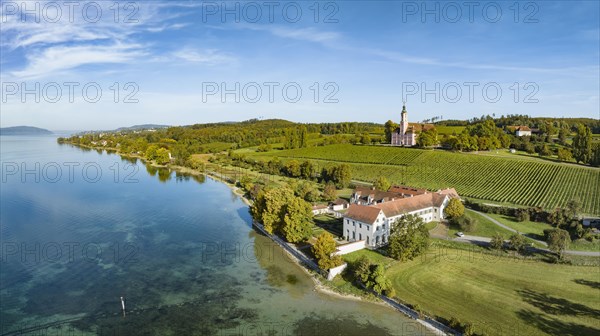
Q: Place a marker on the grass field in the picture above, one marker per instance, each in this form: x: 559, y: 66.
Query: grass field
x: 531, y: 229
x: 507, y: 179
x: 485, y: 228
x: 502, y: 295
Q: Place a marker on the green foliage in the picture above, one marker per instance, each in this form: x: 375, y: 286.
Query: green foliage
x: 340, y: 175
x: 497, y: 242
x: 308, y: 170
x: 454, y: 209
x: 389, y: 128
x: 295, y: 137
x: 264, y: 148
x: 283, y: 213
x: 382, y: 183
x: 428, y: 138
x: 151, y: 152
x: 582, y: 144
x: 292, y: 168
x: 466, y: 224
x: 297, y: 222
x: 322, y: 250
x: 522, y: 215
x: 371, y: 275
x: 330, y: 192
x: 558, y: 241
x: 564, y: 154
x: 517, y: 242
x: 162, y: 156
x: 408, y: 239
x: 362, y: 269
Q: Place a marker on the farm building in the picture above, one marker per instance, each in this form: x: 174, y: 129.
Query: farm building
x: 520, y: 130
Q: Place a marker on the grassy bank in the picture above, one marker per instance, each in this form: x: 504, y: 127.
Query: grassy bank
x: 502, y: 295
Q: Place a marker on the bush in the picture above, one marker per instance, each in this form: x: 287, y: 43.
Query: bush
x: 465, y: 223
x: 522, y: 215
x: 497, y: 242
x: 454, y: 323
x: 468, y: 329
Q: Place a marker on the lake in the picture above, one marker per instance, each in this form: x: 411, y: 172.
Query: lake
x: 81, y: 229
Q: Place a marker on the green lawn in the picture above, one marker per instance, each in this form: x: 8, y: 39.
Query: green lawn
x: 584, y: 245
x: 485, y: 228
x: 374, y: 256
x: 502, y: 295
x: 530, y: 229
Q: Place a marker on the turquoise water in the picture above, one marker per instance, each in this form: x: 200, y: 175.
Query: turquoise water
x: 82, y: 228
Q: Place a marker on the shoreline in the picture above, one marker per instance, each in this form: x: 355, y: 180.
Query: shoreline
x: 319, y: 286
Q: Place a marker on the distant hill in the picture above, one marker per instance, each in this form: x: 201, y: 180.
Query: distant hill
x: 141, y: 127
x: 23, y: 130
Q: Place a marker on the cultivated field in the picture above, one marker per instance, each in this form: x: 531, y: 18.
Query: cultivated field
x: 508, y: 179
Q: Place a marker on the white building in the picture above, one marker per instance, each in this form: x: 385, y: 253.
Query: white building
x: 523, y: 131
x: 404, y: 135
x: 371, y: 223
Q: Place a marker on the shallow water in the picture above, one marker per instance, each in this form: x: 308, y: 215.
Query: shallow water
x: 179, y: 249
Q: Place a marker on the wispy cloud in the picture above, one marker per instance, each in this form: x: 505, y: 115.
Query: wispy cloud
x: 60, y: 58
x: 55, y: 47
x: 208, y: 56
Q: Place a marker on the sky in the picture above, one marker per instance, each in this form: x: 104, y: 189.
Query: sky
x: 102, y: 65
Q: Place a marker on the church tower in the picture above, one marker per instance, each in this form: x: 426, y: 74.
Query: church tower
x: 403, y: 120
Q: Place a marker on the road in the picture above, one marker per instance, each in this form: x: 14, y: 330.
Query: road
x: 484, y: 241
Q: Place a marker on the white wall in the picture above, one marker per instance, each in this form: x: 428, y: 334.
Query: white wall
x: 335, y: 271
x: 350, y: 247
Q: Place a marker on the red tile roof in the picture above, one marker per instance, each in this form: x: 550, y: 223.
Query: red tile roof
x: 362, y: 213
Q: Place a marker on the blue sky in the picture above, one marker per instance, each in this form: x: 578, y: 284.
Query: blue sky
x: 366, y: 56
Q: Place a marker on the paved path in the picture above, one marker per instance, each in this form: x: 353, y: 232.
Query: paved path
x: 543, y: 243
x: 485, y: 241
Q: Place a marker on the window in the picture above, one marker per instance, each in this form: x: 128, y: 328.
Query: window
x: 360, y: 225
x: 360, y: 236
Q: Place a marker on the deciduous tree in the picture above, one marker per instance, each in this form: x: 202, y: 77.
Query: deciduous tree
x: 455, y: 208
x: 409, y: 238
x: 322, y: 250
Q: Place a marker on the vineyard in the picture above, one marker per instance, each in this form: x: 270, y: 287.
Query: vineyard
x: 510, y: 180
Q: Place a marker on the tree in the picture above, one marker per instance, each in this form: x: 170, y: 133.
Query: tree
x: 562, y: 136
x: 522, y: 215
x: 455, y: 208
x: 428, y: 138
x: 269, y: 208
x: 389, y: 128
x: 564, y: 154
x: 378, y: 281
x: 573, y: 208
x: 467, y: 224
x: 582, y: 144
x: 559, y: 217
x: 322, y: 250
x: 382, y: 183
x: 292, y: 168
x: 497, y: 241
x: 151, y: 152
x: 362, y: 269
x: 307, y: 170
x: 342, y: 175
x: 558, y: 241
x: 409, y: 238
x: 297, y: 222
x: 330, y: 192
x: 517, y: 242
x: 365, y: 139
x: 162, y: 156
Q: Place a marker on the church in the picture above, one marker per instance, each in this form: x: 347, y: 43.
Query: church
x: 404, y: 135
